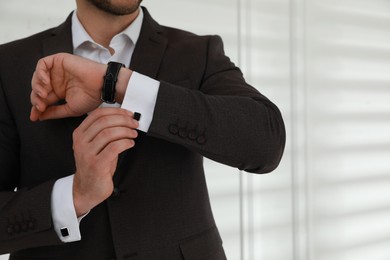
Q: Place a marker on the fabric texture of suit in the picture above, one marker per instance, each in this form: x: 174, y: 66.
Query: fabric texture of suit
x: 160, y: 208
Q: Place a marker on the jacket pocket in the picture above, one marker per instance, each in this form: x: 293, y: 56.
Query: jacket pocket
x: 203, y: 246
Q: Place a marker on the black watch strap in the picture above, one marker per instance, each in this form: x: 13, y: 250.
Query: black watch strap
x: 109, y: 83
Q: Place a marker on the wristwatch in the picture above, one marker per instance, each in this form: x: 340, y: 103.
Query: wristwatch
x: 109, y: 83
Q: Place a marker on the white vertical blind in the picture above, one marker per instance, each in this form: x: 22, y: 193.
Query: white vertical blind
x: 265, y: 60
x: 348, y: 90
x: 326, y: 65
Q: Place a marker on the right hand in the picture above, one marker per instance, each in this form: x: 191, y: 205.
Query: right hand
x: 97, y: 142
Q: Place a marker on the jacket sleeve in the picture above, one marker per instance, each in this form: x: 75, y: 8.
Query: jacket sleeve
x: 25, y: 217
x: 223, y: 118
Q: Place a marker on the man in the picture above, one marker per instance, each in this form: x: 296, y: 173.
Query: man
x: 104, y: 182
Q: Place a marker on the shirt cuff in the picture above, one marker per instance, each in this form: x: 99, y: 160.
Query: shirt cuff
x: 66, y: 223
x: 141, y: 96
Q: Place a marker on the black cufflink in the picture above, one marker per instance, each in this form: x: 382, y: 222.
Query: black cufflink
x: 64, y: 232
x: 137, y: 116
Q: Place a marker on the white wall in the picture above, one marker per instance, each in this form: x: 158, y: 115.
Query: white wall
x: 326, y: 64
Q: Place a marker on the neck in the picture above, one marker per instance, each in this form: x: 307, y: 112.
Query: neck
x: 102, y: 26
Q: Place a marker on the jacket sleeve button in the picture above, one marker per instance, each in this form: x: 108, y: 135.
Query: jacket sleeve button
x: 31, y: 225
x: 24, y: 226
x: 192, y: 135
x: 201, y: 139
x: 17, y: 228
x: 173, y: 129
x: 10, y: 229
x: 183, y: 132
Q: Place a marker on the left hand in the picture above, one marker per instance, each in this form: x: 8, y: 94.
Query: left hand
x: 67, y: 77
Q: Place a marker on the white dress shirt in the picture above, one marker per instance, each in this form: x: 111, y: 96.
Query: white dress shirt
x: 140, y: 96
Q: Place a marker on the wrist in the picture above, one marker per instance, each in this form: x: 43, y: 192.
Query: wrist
x: 95, y: 81
x: 85, y: 199
x: 121, y: 85
x: 82, y: 204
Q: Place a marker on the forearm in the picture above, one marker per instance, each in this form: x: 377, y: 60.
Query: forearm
x: 238, y: 127
x: 240, y: 131
x: 65, y: 219
x: 25, y: 215
x: 122, y: 83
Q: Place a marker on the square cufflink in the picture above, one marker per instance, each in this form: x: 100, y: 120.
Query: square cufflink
x: 64, y: 232
x: 137, y: 116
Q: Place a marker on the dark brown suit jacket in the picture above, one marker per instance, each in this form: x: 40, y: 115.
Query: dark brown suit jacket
x: 160, y: 208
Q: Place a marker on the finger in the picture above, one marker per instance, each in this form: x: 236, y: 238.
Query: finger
x: 51, y: 99
x: 108, y: 121
x: 34, y: 114
x: 56, y: 112
x: 40, y: 82
x: 110, y: 135
x: 113, y: 149
x: 42, y: 103
x: 37, y: 102
x: 38, y: 106
x: 45, y: 108
x: 101, y: 112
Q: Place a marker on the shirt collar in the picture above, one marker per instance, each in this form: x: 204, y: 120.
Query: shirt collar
x: 80, y: 35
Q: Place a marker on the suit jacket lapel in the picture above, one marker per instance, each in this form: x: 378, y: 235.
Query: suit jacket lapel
x: 60, y: 39
x: 150, y: 48
x: 147, y: 56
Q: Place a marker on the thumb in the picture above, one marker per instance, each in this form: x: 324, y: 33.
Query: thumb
x: 34, y: 114
x: 56, y: 112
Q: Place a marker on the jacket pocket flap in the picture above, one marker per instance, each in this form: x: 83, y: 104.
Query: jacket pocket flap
x: 205, y: 245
